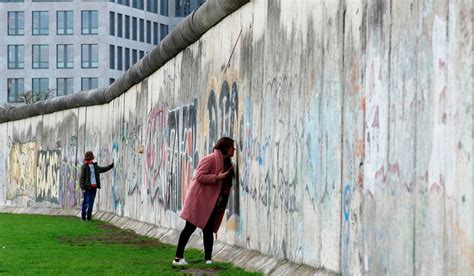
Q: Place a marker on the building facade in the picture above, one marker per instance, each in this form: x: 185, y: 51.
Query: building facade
x: 55, y: 48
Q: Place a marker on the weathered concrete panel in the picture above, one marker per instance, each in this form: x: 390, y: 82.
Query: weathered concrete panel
x: 353, y: 123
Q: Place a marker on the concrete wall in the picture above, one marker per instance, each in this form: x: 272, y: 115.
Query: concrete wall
x: 354, y: 129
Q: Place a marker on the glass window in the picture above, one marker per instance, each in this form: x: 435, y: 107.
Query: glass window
x: 15, y: 89
x: 148, y: 31
x: 16, y: 56
x: 16, y: 23
x: 119, y: 58
x: 90, y: 55
x: 40, y: 56
x: 134, y: 56
x: 90, y: 22
x: 89, y: 83
x: 65, y: 22
x: 164, y: 7
x: 40, y: 23
x: 152, y: 6
x: 124, y: 2
x: 156, y: 38
x: 126, y: 58
x: 64, y: 86
x: 65, y: 56
x: 183, y: 7
x: 112, y: 23
x: 142, y: 30
x: 112, y: 57
x: 142, y: 54
x: 134, y: 28
x: 127, y: 27
x: 40, y: 88
x: 163, y: 31
x: 119, y: 25
x: 111, y: 80
x: 138, y: 4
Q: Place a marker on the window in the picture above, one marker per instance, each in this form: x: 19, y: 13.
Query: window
x: 183, y: 7
x: 15, y: 89
x: 89, y: 83
x: 148, y: 31
x: 134, y: 56
x: 40, y: 56
x: 16, y: 58
x: 111, y: 80
x: 134, y: 28
x: 156, y: 38
x: 40, y: 88
x: 119, y: 25
x: 138, y: 4
x: 90, y: 56
x: 112, y: 23
x: 142, y: 30
x: 119, y: 58
x: 151, y: 6
x: 124, y: 2
x: 142, y: 54
x: 163, y: 31
x: 127, y: 58
x: 40, y: 22
x: 112, y: 57
x: 16, y: 23
x: 127, y: 27
x: 64, y: 86
x: 90, y: 22
x: 65, y: 57
x: 65, y: 22
x: 164, y: 7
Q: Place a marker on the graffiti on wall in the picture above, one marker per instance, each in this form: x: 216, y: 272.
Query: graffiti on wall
x: 48, y: 175
x: 182, y: 154
x: 156, y: 155
x: 171, y: 148
x: 68, y: 188
x: 22, y: 170
x: 126, y: 178
x: 171, y: 154
x: 222, y: 112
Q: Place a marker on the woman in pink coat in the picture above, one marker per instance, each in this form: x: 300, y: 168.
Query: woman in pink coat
x: 207, y: 197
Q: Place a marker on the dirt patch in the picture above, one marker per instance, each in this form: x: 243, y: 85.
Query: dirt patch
x: 112, y: 235
x: 202, y: 272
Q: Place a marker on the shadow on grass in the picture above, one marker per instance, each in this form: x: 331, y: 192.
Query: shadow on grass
x: 111, y: 235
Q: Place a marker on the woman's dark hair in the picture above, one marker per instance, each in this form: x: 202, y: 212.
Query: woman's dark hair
x: 88, y: 155
x: 224, y: 144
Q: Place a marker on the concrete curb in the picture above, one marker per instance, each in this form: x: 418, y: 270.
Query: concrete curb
x: 248, y: 259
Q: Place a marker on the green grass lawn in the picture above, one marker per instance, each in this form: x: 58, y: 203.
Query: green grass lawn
x: 51, y: 245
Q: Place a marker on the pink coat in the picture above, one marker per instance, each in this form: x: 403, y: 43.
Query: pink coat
x: 204, y: 192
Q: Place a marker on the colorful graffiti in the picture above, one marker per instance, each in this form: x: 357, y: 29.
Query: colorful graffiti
x: 157, y: 155
x: 222, y: 112
x: 171, y: 154
x: 48, y: 175
x: 183, y: 156
x: 22, y: 170
x: 69, y: 182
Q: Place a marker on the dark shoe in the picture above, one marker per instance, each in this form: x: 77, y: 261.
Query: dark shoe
x: 83, y: 219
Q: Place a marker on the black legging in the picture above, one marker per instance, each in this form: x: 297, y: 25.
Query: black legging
x: 207, y: 236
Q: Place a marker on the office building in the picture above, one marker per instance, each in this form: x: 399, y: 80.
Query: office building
x: 53, y: 48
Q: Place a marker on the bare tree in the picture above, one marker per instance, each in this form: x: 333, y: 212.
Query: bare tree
x: 28, y: 97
